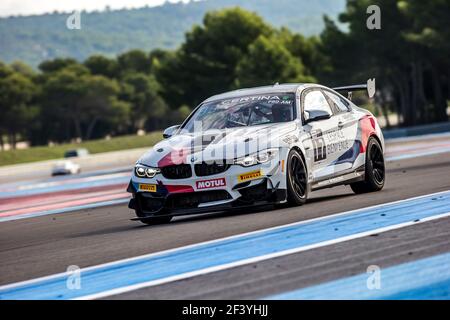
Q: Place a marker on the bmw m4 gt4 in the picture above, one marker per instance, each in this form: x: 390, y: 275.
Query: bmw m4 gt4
x: 250, y: 147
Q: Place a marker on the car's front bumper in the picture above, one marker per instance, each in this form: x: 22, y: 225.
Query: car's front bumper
x: 239, y: 187
x: 262, y: 196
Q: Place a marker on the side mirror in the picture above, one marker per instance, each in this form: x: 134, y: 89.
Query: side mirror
x: 170, y: 131
x: 316, y: 115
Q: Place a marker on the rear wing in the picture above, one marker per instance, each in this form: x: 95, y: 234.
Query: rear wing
x: 370, y: 87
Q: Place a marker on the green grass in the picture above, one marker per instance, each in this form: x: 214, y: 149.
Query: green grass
x: 94, y: 146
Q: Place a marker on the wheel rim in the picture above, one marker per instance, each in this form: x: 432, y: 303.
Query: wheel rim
x: 298, y: 176
x: 377, y: 163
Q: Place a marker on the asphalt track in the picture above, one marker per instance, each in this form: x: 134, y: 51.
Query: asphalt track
x: 45, y: 245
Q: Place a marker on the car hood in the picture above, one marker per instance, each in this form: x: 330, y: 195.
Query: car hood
x: 216, y: 145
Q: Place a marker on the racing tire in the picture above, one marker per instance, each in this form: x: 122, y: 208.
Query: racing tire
x: 374, y: 170
x: 296, y: 179
x: 154, y: 220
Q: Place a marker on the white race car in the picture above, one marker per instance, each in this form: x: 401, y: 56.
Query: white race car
x: 256, y: 146
x: 65, y: 167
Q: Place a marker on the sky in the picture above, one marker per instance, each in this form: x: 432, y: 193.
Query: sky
x: 27, y: 7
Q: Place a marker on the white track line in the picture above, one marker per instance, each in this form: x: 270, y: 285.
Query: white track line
x: 63, y: 274
x: 419, y: 138
x: 255, y: 259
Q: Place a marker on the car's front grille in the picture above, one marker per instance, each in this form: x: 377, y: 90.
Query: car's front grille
x: 205, y: 169
x: 181, y: 171
x: 192, y: 200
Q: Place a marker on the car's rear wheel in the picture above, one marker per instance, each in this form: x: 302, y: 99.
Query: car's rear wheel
x: 374, y: 171
x: 297, y: 182
x: 153, y: 220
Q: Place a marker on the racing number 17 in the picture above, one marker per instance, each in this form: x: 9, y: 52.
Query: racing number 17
x: 320, y: 149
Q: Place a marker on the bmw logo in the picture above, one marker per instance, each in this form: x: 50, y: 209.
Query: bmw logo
x: 193, y: 159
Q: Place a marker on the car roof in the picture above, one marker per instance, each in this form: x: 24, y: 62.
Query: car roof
x: 276, y: 88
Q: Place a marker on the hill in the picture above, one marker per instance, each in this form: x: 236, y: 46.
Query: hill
x: 40, y: 37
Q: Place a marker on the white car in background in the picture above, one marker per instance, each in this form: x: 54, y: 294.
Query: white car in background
x: 65, y: 167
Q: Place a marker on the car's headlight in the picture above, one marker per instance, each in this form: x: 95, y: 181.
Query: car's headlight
x: 257, y: 158
x: 146, y: 172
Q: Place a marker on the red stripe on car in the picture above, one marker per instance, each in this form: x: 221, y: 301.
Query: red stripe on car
x: 179, y: 189
x: 175, y: 157
x: 367, y: 125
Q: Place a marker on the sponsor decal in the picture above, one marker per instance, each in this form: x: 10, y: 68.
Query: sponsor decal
x: 213, y: 183
x: 319, y: 146
x: 249, y: 176
x: 279, y: 99
x: 328, y: 143
x: 147, y: 187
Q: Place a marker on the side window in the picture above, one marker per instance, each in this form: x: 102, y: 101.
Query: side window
x: 315, y: 100
x: 339, y: 103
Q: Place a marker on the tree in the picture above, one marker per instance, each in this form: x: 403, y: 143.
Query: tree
x: 268, y: 61
x: 398, y: 54
x: 429, y: 30
x: 56, y: 64
x: 99, y: 104
x: 147, y: 106
x: 5, y: 70
x: 23, y: 69
x: 134, y: 61
x: 157, y: 57
x: 77, y: 103
x: 206, y: 62
x: 16, y: 94
x: 308, y: 51
x: 102, y: 66
x: 335, y: 47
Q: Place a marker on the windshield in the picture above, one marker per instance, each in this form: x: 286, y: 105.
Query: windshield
x: 243, y: 112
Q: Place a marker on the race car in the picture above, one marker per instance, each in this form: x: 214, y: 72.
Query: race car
x: 259, y: 146
x: 66, y: 167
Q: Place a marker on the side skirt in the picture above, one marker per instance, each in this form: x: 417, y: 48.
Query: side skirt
x: 347, y: 178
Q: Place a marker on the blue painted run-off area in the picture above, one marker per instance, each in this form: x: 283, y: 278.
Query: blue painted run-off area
x: 423, y: 279
x: 202, y: 256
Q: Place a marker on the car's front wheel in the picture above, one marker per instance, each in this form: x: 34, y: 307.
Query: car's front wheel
x: 297, y: 182
x: 374, y: 171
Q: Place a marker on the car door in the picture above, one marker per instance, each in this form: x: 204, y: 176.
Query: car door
x: 318, y: 132
x: 345, y: 144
